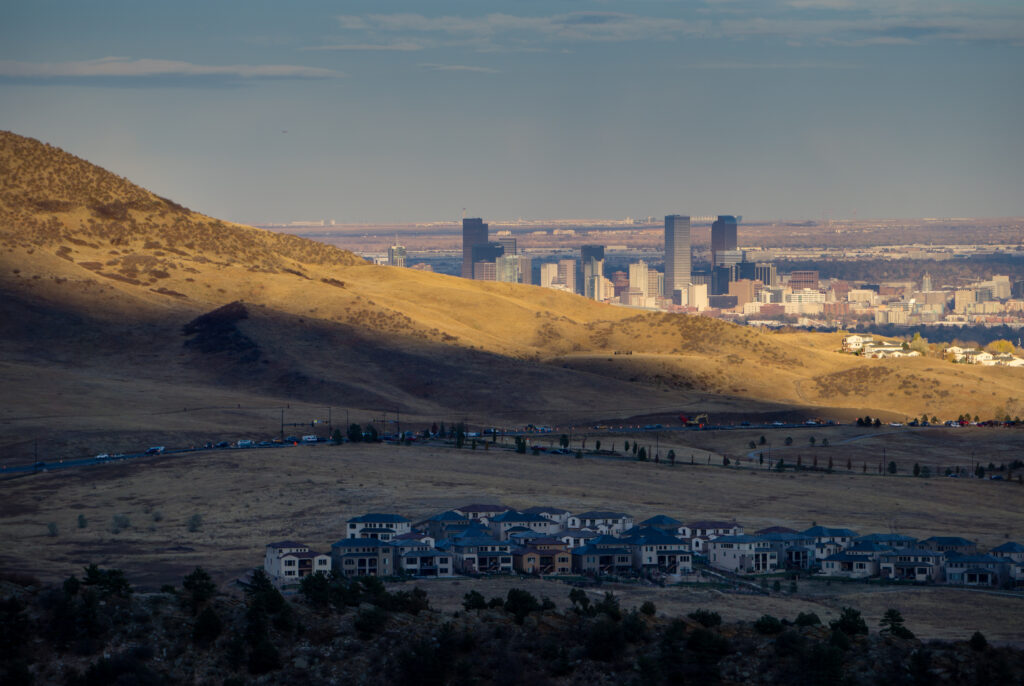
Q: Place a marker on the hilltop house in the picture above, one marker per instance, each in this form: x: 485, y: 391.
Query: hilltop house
x: 543, y: 556
x: 286, y: 562
x: 383, y: 527
x: 950, y: 544
x: 603, y: 522
x: 576, y: 538
x: 794, y: 550
x: 977, y: 570
x: 742, y: 555
x: 911, y: 564
x: 603, y: 555
x: 558, y: 515
x: 656, y: 551
x: 362, y: 557
x: 830, y: 541
x: 479, y: 554
x: 481, y: 512
x: 701, y: 532
x: 894, y: 541
x: 511, y: 520
x: 440, y: 525
x: 859, y: 561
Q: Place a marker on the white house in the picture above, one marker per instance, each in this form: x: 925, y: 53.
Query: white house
x: 286, y: 562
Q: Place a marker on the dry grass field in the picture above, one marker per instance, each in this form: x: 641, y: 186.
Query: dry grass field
x: 246, y: 498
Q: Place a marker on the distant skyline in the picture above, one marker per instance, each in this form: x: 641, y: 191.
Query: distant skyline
x: 409, y: 111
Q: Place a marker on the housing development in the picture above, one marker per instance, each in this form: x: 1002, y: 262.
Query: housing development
x: 489, y: 539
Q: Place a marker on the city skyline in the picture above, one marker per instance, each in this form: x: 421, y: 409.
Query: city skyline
x: 795, y: 110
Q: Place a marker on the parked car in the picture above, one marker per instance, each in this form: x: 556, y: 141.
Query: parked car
x: 155, y: 450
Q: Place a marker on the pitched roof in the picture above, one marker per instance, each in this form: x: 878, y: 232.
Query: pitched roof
x: 544, y: 509
x: 378, y: 518
x: 948, y: 540
x: 742, y: 538
x: 287, y: 544
x: 868, y: 547
x: 784, y: 536
x: 776, y: 530
x: 712, y: 524
x: 359, y: 543
x: 307, y: 555
x: 913, y: 552
x: 661, y: 520
x: 513, y: 516
x: 481, y: 507
x: 822, y: 531
x: 977, y: 559
x: 601, y: 514
x: 447, y: 516
x: 1009, y: 547
x: 884, y: 538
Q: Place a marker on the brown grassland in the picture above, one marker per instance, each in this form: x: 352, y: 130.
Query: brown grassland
x: 249, y: 497
x: 104, y: 348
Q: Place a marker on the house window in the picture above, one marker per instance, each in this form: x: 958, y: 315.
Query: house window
x: 289, y: 563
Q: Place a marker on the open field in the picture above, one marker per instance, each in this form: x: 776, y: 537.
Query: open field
x: 248, y: 498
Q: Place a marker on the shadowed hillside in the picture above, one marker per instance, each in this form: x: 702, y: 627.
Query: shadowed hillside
x: 103, y: 276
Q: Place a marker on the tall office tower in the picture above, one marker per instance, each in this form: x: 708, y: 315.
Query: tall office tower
x: 593, y: 270
x: 396, y: 255
x: 723, y: 236
x: 509, y: 243
x: 638, y: 277
x: 525, y: 269
x: 567, y: 274
x: 926, y: 282
x: 766, y: 273
x: 548, y: 274
x: 474, y: 232
x: 485, y: 271
x: 677, y: 253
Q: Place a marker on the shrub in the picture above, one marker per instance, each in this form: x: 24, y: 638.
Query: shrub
x: 850, y: 622
x: 119, y: 522
x: 82, y: 521
x: 207, y: 627
x: 199, y: 586
x: 51, y: 529
x: 768, y: 625
x: 706, y: 618
x: 195, y: 523
x: 648, y: 608
x: 474, y: 600
x: 789, y: 643
x: 978, y: 641
x: 807, y: 619
x: 370, y: 622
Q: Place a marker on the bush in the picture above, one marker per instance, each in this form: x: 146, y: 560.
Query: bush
x: 789, y: 643
x: 850, y: 622
x: 82, y: 521
x: 706, y: 618
x: 195, y: 523
x: 474, y: 600
x: 51, y: 529
x: 978, y: 641
x: 768, y: 625
x: 199, y: 586
x: 807, y: 619
x: 649, y: 608
x: 119, y: 522
x: 370, y: 621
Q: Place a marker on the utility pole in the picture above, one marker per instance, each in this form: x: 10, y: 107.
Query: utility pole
x: 398, y: 413
x: 282, y: 424
x: 330, y: 425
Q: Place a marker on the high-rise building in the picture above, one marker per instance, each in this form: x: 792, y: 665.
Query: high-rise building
x: 396, y: 255
x: 638, y: 277
x: 485, y: 271
x: 723, y: 236
x: 592, y: 257
x: 509, y: 243
x: 548, y: 274
x: 567, y: 274
x: 513, y: 268
x: 766, y: 273
x: 926, y: 282
x: 677, y: 253
x: 655, y: 283
x: 474, y: 232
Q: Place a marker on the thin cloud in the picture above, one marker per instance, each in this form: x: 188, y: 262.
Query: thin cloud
x: 769, y: 65
x: 456, y: 67
x: 396, y: 47
x: 127, y: 68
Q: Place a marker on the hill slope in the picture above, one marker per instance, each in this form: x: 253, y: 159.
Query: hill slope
x: 90, y: 261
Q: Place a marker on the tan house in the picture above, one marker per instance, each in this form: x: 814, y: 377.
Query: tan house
x: 911, y: 564
x: 742, y: 555
x: 286, y: 562
x: 362, y: 557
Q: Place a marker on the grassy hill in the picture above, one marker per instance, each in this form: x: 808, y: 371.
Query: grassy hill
x: 100, y: 278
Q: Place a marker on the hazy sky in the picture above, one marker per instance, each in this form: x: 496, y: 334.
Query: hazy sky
x: 407, y: 111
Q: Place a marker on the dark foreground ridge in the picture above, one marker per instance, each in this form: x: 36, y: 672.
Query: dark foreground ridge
x: 94, y: 630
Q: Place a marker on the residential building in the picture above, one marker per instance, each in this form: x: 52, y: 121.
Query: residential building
x: 377, y: 525
x: 501, y: 524
x: 602, y: 521
x: 481, y: 512
x: 440, y: 525
x: 950, y: 545
x: 604, y: 555
x: 543, y: 556
x: 794, y: 550
x: 859, y: 561
x: 742, y: 555
x: 479, y: 554
x: 362, y: 557
x: 911, y: 564
x: 657, y: 551
x: 830, y: 541
x: 558, y: 515
x: 286, y: 562
x: 894, y: 541
x: 977, y: 570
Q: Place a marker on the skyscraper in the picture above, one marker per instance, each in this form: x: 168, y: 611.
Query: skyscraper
x: 474, y: 232
x: 593, y: 270
x: 396, y: 255
x: 677, y: 253
x: 723, y: 236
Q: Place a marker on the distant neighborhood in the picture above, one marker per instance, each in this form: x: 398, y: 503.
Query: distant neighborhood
x: 869, y: 346
x: 484, y: 539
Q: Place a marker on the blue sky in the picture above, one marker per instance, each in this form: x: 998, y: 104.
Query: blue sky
x: 409, y: 111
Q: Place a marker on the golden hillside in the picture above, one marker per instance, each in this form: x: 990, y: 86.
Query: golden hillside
x: 82, y: 240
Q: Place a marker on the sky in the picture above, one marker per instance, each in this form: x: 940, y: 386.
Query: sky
x: 389, y: 111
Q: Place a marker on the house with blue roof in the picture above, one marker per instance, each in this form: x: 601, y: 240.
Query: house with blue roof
x: 1010, y: 550
x: 604, y: 555
x: 655, y: 551
x: 601, y: 521
x: 558, y: 515
x: 859, y: 561
x: 950, y: 544
x: 742, y: 554
x: 479, y: 554
x: 511, y: 520
x: 894, y: 541
x: 794, y: 550
x: 362, y: 557
x: 829, y: 541
x: 381, y: 526
x: 911, y: 564
x: 977, y: 570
